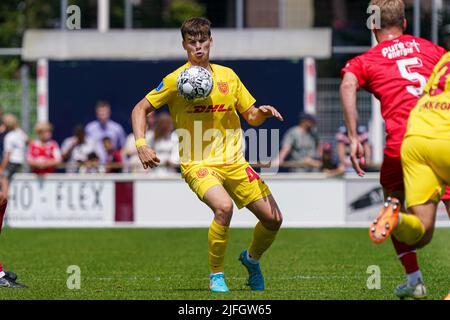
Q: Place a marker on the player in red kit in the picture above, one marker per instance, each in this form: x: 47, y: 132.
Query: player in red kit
x: 395, y: 71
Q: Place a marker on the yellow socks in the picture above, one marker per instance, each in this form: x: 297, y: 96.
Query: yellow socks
x: 218, y: 240
x: 217, y: 245
x: 262, y: 240
x: 409, y: 229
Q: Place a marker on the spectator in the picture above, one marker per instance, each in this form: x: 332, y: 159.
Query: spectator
x: 343, y: 146
x: 44, y: 154
x: 113, y: 157
x: 105, y: 127
x: 330, y: 162
x: 75, y: 149
x: 129, y: 151
x: 13, y: 151
x: 165, y: 143
x: 300, y: 145
x: 91, y: 165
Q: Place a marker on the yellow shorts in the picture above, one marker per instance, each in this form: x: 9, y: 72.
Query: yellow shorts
x: 241, y: 182
x: 426, y: 169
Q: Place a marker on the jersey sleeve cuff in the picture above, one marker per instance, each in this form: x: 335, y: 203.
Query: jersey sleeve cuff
x: 153, y: 103
x: 250, y: 104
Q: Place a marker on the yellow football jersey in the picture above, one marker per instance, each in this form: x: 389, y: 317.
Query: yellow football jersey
x: 431, y: 116
x: 209, y: 130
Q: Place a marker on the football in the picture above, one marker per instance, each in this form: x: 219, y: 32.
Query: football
x: 195, y: 83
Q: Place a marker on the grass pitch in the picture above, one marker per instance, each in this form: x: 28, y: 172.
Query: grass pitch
x: 172, y: 264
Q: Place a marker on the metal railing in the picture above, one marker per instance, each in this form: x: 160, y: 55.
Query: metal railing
x: 329, y: 113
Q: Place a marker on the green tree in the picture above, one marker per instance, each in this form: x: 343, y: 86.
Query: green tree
x: 15, y: 18
x: 180, y: 10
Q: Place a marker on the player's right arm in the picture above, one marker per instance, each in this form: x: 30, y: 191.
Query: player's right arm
x: 155, y: 99
x: 138, y: 120
x: 348, y: 90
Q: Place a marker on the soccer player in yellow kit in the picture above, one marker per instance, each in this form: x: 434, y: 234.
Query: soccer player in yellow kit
x: 425, y: 161
x: 212, y: 161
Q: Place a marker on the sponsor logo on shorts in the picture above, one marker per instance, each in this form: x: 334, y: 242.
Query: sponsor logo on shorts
x: 202, y: 172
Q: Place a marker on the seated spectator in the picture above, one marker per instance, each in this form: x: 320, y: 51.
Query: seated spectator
x: 91, y: 165
x: 330, y: 162
x: 44, y: 154
x: 14, y: 146
x: 343, y: 146
x: 130, y: 156
x: 75, y: 149
x: 105, y: 127
x: 300, y: 146
x: 113, y: 162
x: 165, y: 143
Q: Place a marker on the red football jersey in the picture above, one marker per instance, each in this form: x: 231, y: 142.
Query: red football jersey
x: 40, y: 151
x: 396, y: 72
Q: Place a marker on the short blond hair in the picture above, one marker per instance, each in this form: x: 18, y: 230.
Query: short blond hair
x: 43, y: 126
x: 392, y: 12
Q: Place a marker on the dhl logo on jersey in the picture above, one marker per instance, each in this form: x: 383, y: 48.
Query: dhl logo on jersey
x: 210, y: 108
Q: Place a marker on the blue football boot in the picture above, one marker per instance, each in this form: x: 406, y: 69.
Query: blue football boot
x: 255, y: 276
x: 217, y: 283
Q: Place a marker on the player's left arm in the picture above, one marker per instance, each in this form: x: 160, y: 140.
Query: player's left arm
x: 256, y: 116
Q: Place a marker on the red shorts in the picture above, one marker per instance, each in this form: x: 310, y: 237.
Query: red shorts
x: 446, y: 195
x: 391, y: 176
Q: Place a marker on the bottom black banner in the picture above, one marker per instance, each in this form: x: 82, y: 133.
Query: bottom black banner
x: 227, y: 309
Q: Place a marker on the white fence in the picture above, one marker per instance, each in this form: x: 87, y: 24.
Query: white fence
x: 306, y: 200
